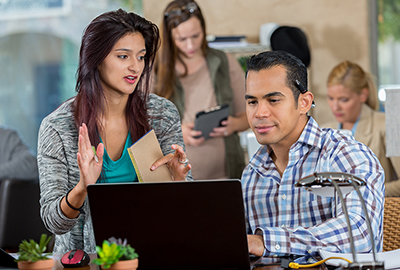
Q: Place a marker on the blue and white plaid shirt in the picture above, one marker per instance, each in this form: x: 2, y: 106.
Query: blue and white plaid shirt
x: 295, y: 221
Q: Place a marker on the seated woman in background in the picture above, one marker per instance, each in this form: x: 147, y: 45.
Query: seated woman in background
x: 352, y: 97
x: 111, y: 110
x: 195, y: 77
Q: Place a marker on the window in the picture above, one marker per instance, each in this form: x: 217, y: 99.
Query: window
x: 39, y: 74
x: 388, y: 46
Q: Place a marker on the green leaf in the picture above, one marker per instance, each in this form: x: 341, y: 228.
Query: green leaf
x: 110, y: 253
x: 32, y: 251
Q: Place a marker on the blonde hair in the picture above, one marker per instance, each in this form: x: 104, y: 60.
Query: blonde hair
x: 352, y: 76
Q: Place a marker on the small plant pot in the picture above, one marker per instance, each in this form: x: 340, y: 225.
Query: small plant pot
x: 39, y: 265
x: 129, y: 264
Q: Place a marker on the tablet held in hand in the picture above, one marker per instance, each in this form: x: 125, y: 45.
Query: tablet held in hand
x: 210, y: 118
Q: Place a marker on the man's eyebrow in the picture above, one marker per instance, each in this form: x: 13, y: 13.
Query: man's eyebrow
x: 273, y: 94
x: 265, y: 96
x: 246, y: 97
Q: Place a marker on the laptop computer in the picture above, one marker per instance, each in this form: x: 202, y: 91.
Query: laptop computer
x: 174, y: 225
x: 7, y: 261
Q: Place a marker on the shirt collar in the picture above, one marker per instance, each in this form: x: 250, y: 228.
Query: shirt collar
x: 311, y: 135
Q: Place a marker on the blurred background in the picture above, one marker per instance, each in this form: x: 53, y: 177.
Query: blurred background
x: 40, y: 39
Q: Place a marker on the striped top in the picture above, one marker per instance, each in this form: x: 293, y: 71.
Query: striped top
x: 295, y: 221
x: 59, y: 172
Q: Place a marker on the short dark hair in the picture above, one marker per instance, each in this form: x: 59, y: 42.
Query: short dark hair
x: 295, y: 69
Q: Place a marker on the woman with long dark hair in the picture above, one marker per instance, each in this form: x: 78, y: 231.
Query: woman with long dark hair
x: 196, y: 77
x: 85, y: 140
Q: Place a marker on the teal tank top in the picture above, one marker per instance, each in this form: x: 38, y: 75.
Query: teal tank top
x: 121, y: 170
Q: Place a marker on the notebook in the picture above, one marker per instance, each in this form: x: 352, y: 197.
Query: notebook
x: 174, y: 225
x: 143, y: 154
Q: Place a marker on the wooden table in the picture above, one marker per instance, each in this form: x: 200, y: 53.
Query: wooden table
x: 272, y: 264
x: 58, y: 265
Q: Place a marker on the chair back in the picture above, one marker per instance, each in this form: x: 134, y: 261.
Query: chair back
x: 19, y: 213
x: 391, y: 224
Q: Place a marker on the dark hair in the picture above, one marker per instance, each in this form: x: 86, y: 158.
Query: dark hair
x: 295, y: 69
x: 168, y: 54
x: 99, y: 38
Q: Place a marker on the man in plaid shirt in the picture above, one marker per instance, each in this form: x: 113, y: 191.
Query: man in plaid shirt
x: 281, y: 218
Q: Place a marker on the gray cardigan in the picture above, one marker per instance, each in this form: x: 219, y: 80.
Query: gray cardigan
x: 59, y: 172
x: 17, y: 161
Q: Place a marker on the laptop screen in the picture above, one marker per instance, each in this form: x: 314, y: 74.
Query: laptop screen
x: 174, y: 225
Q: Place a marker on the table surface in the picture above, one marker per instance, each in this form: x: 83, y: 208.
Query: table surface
x: 273, y: 264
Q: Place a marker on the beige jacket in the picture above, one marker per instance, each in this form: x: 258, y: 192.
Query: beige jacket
x: 371, y: 131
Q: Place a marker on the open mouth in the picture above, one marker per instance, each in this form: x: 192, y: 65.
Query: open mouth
x: 130, y: 79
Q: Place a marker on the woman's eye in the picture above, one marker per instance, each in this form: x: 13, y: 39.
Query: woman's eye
x: 141, y: 58
x: 273, y: 100
x: 122, y: 56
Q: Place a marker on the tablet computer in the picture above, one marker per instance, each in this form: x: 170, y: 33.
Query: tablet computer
x: 210, y: 118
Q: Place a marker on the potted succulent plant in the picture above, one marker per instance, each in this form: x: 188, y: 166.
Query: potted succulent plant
x: 116, y: 254
x: 32, y: 256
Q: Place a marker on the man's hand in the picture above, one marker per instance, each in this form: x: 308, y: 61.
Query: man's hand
x: 256, y: 244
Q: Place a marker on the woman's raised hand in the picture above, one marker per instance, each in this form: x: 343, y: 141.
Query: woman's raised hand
x: 90, y: 162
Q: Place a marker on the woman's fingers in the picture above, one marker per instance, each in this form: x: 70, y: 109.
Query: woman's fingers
x: 87, y: 144
x: 100, y: 152
x: 90, y: 159
x: 177, y: 163
x: 187, y: 169
x: 179, y: 151
x: 161, y: 161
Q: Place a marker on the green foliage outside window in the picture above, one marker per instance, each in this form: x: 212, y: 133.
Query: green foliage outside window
x: 131, y: 5
x: 388, y: 19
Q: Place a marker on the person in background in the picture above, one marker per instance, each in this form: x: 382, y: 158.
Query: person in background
x: 16, y: 159
x: 196, y: 77
x: 85, y: 140
x: 281, y: 218
x: 353, y: 100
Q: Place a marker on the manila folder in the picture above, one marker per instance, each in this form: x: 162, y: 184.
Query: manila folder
x: 143, y: 154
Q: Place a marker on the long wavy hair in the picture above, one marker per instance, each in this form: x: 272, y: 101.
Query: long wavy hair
x: 352, y: 76
x: 98, y: 40
x: 175, y: 13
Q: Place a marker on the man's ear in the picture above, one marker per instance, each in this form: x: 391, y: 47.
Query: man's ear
x: 305, y: 102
